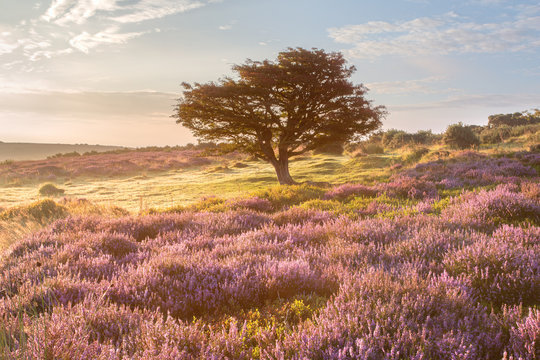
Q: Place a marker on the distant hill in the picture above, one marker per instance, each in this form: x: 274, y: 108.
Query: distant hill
x: 34, y: 151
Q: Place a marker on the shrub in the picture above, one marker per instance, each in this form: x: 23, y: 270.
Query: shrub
x: 515, y: 119
x: 253, y: 203
x: 488, y: 208
x: 498, y: 270
x: 460, y: 136
x: 324, y: 205
x: 284, y: 196
x: 415, y: 155
x: 345, y: 191
x: 41, y: 210
x: 50, y: 189
x: 404, y: 187
x: 335, y: 148
x: 371, y: 148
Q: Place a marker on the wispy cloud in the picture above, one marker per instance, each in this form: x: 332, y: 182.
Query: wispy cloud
x: 445, y: 34
x: 227, y: 26
x: 155, y: 9
x: 6, y: 45
x: 77, y: 11
x: 85, y: 41
x: 423, y: 86
x: 492, y: 101
x: 63, y: 12
x: 91, y: 23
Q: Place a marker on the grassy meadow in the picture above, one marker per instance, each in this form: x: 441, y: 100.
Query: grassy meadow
x: 412, y: 252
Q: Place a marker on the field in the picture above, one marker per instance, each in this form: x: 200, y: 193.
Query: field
x: 32, y: 151
x: 185, y: 254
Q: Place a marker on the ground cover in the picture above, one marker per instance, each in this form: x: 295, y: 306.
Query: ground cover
x: 437, y: 260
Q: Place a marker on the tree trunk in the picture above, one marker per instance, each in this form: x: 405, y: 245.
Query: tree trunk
x: 282, y: 171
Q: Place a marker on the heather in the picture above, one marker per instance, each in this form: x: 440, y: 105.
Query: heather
x: 440, y: 260
x: 101, y: 164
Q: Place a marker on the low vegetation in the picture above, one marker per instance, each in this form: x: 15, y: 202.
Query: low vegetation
x: 436, y: 257
x: 50, y: 190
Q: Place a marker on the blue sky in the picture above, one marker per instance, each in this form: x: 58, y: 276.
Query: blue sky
x: 108, y: 71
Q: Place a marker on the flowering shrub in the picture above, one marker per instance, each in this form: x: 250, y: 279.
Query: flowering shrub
x: 346, y: 191
x: 409, y: 187
x: 472, y: 169
x: 497, y: 270
x: 285, y: 196
x: 253, y: 203
x: 486, y: 208
x: 415, y: 268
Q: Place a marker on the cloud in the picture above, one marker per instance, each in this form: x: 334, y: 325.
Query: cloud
x: 491, y: 101
x: 7, y: 46
x: 445, y: 34
x: 76, y: 11
x: 85, y: 41
x: 48, y: 54
x: 227, y: 26
x: 423, y: 86
x: 155, y: 9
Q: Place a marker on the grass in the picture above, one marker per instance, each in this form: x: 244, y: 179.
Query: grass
x: 142, y: 191
x: 181, y: 187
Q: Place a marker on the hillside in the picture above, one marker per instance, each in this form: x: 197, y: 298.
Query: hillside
x: 431, y: 254
x: 35, y: 151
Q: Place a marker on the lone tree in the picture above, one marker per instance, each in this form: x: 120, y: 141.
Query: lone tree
x: 277, y: 109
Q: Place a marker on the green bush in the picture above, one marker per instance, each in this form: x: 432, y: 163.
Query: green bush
x: 324, y: 205
x: 460, y: 136
x: 415, y: 155
x: 42, y: 210
x: 372, y: 148
x: 334, y: 148
x: 495, y: 135
x: 287, y: 195
x: 50, y: 190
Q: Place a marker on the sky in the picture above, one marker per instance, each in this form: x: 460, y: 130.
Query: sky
x: 109, y: 71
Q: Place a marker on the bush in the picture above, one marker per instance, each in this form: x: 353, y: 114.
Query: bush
x: 346, y: 191
x: 41, y: 210
x: 460, y: 136
x: 334, y: 148
x: 372, y: 149
x: 284, y: 196
x: 50, y: 190
x: 415, y: 155
x: 515, y: 119
x: 495, y: 135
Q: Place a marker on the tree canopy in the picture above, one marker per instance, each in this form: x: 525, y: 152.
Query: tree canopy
x: 460, y: 136
x: 277, y: 109
x: 515, y: 119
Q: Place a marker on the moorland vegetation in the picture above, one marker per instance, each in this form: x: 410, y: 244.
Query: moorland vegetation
x: 401, y: 248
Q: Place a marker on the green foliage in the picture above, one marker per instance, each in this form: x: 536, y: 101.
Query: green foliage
x: 394, y: 138
x: 40, y: 211
x: 333, y: 148
x: 284, y: 196
x: 324, y: 205
x: 515, y: 119
x: 460, y: 136
x: 415, y: 155
x: 252, y: 110
x: 68, y: 154
x: 495, y: 135
x: 50, y: 189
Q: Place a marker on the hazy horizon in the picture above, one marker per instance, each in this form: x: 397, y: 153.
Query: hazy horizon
x: 108, y: 72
